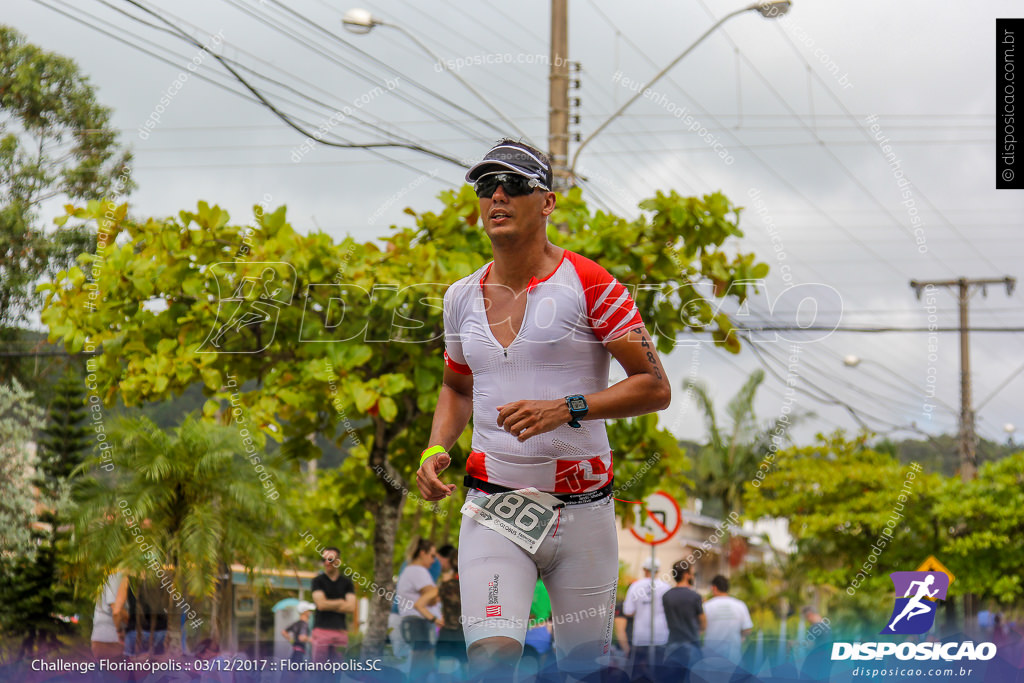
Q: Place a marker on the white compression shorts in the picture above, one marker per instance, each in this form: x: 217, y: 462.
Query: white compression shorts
x: 579, y: 564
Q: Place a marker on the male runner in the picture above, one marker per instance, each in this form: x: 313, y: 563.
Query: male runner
x: 529, y: 338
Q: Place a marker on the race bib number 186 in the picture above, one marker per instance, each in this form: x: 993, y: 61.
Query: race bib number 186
x: 524, y: 516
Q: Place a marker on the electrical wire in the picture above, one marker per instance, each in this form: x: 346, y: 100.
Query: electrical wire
x: 285, y: 86
x: 412, y: 81
x: 286, y: 119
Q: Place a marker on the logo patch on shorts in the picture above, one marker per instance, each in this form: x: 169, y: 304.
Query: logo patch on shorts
x: 493, y: 608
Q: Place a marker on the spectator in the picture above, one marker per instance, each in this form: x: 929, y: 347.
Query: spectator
x: 334, y: 596
x: 451, y: 639
x: 818, y: 628
x: 684, y: 616
x: 441, y: 569
x: 728, y: 622
x: 109, y: 618
x: 623, y: 630
x: 299, y: 632
x: 152, y: 618
x: 539, y: 634
x: 818, y: 663
x: 419, y: 607
x: 639, y: 605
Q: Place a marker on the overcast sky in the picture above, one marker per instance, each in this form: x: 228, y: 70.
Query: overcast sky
x: 787, y: 102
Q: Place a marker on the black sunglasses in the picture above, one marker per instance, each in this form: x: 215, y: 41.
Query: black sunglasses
x: 515, y: 185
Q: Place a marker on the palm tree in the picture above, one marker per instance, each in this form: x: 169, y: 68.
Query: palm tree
x: 180, y: 507
x: 734, y: 453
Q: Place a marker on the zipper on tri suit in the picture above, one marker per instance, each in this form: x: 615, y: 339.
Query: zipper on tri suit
x: 506, y: 352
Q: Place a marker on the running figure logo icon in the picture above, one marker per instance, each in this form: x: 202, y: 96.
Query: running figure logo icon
x: 916, y: 596
x: 247, y: 320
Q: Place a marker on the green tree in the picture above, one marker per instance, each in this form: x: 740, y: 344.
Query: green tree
x: 942, y: 453
x: 985, y: 517
x: 179, y: 508
x: 735, y: 450
x: 55, y: 142
x: 33, y: 591
x: 854, y: 513
x: 20, y: 421
x: 65, y: 440
x: 345, y: 340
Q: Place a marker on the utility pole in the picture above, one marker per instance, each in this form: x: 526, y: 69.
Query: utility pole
x: 962, y: 286
x: 558, y: 95
x: 968, y: 457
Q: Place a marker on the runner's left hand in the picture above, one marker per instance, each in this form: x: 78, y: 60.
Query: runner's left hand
x: 523, y: 419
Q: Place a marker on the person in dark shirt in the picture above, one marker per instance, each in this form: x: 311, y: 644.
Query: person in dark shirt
x: 623, y: 629
x: 334, y: 596
x: 147, y: 619
x: 451, y: 640
x: 299, y: 634
x: 685, y: 616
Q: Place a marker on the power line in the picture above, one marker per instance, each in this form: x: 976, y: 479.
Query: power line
x: 200, y: 76
x: 412, y: 81
x: 285, y: 86
x: 286, y: 118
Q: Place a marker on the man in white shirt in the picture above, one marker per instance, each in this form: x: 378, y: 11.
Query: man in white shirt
x: 638, y: 605
x: 728, y: 622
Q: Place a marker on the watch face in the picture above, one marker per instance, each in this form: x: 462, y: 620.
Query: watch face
x: 577, y: 403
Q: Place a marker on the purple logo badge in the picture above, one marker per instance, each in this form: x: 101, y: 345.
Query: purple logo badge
x: 914, y: 611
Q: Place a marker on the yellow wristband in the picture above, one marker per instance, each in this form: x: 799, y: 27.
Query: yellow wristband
x: 433, y: 450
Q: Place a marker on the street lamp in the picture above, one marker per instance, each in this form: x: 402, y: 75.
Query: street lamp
x: 769, y: 9
x: 361, y: 22
x: 852, y: 361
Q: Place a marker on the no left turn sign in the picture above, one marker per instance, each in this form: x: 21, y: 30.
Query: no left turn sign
x: 660, y: 521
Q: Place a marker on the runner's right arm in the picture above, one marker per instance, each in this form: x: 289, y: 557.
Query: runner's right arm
x: 454, y: 408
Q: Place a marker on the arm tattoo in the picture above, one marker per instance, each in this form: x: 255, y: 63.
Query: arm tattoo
x: 650, y: 354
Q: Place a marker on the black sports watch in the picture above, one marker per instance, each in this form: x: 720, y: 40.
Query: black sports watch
x: 578, y: 409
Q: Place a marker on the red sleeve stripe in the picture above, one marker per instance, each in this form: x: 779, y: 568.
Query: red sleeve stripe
x: 457, y: 367
x: 609, y: 306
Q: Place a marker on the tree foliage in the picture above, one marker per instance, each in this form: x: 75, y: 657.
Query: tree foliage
x: 345, y: 340
x: 735, y: 449
x: 20, y: 421
x: 56, y: 142
x: 34, y: 592
x: 984, y: 519
x: 183, y: 503
x: 65, y: 440
x: 855, y: 514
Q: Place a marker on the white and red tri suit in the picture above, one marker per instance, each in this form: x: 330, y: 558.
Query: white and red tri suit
x: 559, y: 351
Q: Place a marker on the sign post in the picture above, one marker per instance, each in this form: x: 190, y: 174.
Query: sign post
x: 659, y: 524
